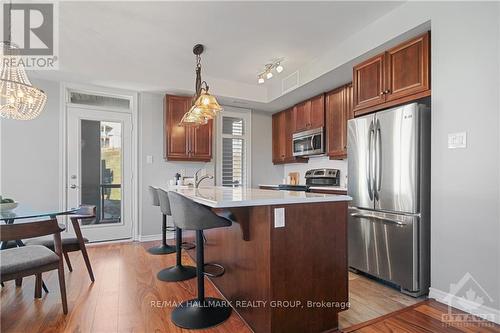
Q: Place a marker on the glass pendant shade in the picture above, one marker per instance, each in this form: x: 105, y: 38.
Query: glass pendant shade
x: 18, y: 98
x: 194, y: 117
x: 207, y: 104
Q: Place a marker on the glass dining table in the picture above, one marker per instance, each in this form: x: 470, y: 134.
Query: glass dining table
x: 23, y: 212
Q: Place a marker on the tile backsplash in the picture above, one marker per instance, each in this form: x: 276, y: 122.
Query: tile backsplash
x: 318, y: 163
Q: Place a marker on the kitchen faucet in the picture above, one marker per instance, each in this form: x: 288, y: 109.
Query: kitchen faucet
x: 197, y: 180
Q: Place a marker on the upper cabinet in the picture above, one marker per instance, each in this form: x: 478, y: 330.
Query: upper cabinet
x: 310, y: 114
x: 283, y: 129
x: 394, y: 77
x: 185, y: 143
x: 338, y: 107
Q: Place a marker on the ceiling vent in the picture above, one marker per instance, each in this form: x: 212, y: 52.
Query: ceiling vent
x: 290, y: 82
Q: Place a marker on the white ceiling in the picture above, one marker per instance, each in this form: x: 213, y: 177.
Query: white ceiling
x: 147, y: 46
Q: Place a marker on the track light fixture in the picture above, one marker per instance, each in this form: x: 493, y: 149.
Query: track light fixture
x: 267, y: 73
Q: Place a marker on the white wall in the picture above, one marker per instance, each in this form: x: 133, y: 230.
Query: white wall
x: 263, y: 170
x: 30, y: 155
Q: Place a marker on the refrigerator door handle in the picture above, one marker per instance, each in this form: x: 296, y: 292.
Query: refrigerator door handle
x: 370, y: 161
x: 378, y: 158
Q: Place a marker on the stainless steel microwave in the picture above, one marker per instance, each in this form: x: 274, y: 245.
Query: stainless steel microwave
x: 309, y: 142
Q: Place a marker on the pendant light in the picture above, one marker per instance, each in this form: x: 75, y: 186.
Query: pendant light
x: 205, y: 106
x: 18, y: 98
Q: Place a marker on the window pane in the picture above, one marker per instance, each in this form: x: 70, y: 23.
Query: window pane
x: 96, y: 100
x: 101, y: 169
x: 233, y: 173
x: 232, y: 126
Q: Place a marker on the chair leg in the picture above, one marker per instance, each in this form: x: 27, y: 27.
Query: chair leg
x: 87, y: 261
x: 38, y: 285
x: 66, y: 257
x: 62, y: 287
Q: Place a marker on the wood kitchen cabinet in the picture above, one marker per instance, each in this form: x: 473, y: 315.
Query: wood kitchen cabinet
x: 185, y: 143
x: 338, y: 109
x: 310, y: 114
x: 283, y: 128
x: 397, y: 76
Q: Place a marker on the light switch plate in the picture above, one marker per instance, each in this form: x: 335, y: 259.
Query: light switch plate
x: 279, y: 217
x: 457, y: 140
x: 149, y: 159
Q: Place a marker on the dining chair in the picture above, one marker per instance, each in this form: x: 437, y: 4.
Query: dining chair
x: 29, y: 260
x: 72, y: 243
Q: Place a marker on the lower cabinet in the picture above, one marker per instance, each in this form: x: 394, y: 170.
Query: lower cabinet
x: 339, y: 110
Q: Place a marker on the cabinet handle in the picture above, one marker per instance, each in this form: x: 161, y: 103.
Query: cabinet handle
x: 387, y: 91
x: 382, y: 92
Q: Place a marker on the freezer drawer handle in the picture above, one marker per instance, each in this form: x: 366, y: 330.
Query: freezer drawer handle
x: 394, y: 221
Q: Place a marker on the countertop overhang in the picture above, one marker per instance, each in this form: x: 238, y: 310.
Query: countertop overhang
x: 226, y: 197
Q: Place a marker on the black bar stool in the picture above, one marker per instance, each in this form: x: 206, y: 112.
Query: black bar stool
x: 164, y: 248
x: 202, y: 312
x: 178, y: 272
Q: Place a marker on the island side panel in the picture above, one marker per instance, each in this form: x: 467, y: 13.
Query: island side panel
x: 309, y: 263
x: 247, y: 263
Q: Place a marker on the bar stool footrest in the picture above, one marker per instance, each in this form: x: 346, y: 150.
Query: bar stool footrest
x: 220, y: 272
x: 188, y: 245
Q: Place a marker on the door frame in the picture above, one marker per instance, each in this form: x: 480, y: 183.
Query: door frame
x: 64, y: 102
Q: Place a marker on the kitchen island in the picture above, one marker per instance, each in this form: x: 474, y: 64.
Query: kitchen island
x: 285, y: 256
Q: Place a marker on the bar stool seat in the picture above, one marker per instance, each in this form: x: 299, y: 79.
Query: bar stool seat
x: 178, y: 272
x: 164, y: 248
x: 202, y: 312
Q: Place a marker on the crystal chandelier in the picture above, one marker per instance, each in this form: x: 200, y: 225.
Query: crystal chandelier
x: 205, y: 106
x: 18, y: 98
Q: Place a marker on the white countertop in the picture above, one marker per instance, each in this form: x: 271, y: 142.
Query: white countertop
x: 225, y: 197
x: 328, y: 188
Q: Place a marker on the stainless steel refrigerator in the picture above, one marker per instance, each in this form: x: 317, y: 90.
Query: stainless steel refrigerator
x: 388, y: 158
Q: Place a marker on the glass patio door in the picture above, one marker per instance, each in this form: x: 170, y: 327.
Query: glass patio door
x: 99, y: 170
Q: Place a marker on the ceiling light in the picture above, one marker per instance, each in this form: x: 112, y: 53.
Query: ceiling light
x: 18, y: 98
x: 205, y: 106
x: 267, y: 73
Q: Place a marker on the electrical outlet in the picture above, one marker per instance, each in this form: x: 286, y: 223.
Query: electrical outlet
x: 457, y: 140
x: 279, y: 217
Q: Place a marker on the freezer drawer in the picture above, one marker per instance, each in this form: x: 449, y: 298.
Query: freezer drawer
x: 385, y: 245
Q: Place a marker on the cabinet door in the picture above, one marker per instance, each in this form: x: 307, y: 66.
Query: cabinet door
x: 336, y: 120
x: 302, y: 116
x: 177, y: 137
x: 408, y: 68
x: 317, y: 114
x: 200, y: 148
x: 368, y: 82
x: 289, y: 119
x: 279, y: 138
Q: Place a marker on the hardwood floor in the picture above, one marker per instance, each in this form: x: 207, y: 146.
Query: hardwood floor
x: 426, y: 316
x: 370, y: 299
x: 127, y: 297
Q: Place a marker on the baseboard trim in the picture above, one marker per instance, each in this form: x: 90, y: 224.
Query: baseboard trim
x: 149, y: 238
x: 457, y: 302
